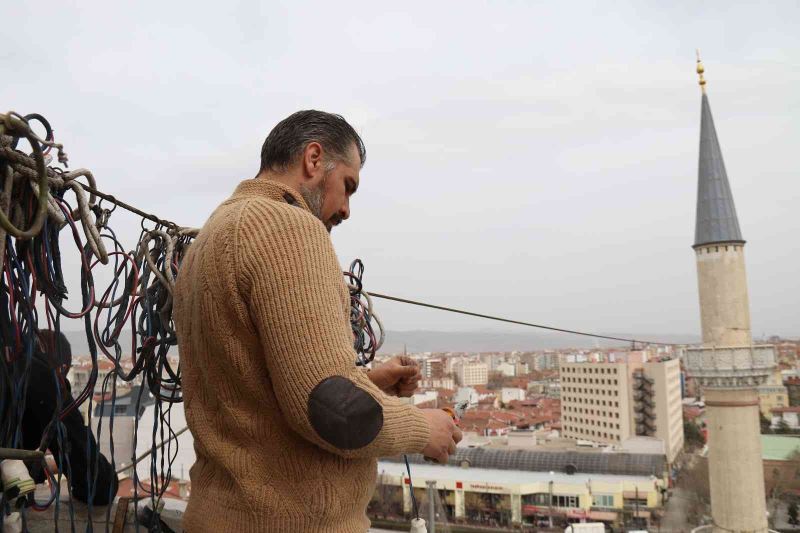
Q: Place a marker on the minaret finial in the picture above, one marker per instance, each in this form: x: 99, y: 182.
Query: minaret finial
x: 700, y: 70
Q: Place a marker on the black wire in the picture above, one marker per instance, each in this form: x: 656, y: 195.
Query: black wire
x: 364, y: 341
x: 411, y: 488
x: 519, y: 322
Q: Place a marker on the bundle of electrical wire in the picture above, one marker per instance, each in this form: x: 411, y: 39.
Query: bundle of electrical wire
x: 34, y: 209
x: 363, y: 319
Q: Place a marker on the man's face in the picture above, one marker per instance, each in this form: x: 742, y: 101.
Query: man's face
x: 329, y: 196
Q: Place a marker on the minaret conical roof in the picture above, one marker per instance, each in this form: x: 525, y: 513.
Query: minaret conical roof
x: 716, y: 213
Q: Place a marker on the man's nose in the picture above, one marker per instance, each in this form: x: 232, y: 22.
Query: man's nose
x: 344, y: 211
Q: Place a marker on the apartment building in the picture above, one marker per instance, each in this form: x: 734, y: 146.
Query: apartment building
x: 608, y: 403
x: 773, y: 394
x: 666, y: 394
x: 433, y: 368
x: 471, y: 373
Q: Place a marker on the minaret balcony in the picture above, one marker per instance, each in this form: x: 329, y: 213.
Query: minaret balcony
x: 730, y: 367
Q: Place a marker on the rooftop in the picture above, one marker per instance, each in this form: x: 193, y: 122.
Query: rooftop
x: 615, y: 463
x: 778, y: 447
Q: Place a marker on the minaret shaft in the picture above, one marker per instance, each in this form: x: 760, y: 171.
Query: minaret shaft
x: 724, y: 303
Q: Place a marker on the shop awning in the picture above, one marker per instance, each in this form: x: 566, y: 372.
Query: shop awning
x: 603, y: 516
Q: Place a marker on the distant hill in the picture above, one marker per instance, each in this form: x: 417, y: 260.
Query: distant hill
x: 456, y: 341
x: 489, y: 341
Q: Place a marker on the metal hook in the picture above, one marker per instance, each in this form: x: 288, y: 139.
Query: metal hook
x: 113, y: 206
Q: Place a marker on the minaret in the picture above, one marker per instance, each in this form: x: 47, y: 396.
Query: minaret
x: 728, y: 367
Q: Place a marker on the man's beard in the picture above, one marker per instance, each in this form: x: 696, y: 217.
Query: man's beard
x: 314, y: 198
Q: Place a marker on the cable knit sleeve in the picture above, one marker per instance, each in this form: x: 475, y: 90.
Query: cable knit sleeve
x: 292, y: 284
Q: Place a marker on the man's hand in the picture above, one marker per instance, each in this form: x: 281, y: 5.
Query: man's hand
x: 444, y: 435
x: 398, y: 376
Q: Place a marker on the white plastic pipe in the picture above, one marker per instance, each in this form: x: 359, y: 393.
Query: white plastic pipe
x: 12, y: 523
x: 418, y: 526
x: 14, y: 473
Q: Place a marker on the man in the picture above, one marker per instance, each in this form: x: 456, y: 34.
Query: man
x: 41, y: 403
x: 287, y: 429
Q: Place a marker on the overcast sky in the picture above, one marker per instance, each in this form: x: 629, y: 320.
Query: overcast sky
x: 534, y: 161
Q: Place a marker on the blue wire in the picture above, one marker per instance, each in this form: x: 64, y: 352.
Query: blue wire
x: 26, y: 333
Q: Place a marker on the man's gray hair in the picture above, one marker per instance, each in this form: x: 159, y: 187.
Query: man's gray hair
x: 287, y: 140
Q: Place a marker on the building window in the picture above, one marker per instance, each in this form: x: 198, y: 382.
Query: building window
x: 536, y: 499
x: 564, y: 501
x: 602, y: 500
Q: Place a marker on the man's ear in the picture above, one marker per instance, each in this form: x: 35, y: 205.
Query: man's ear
x: 312, y: 160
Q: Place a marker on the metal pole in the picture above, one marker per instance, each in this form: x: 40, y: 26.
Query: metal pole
x: 22, y: 455
x: 431, y: 506
x: 636, y: 516
x: 550, y: 506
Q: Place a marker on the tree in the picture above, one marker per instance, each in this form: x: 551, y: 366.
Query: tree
x: 695, y: 481
x: 793, y: 514
x: 692, y: 435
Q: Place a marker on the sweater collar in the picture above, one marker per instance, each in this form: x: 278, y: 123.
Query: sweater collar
x: 272, y: 190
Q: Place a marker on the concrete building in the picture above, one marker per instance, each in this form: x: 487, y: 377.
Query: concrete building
x: 790, y: 416
x: 442, y: 383
x: 773, y: 394
x: 508, y: 394
x: 546, y: 361
x: 126, y: 408
x: 471, y: 373
x: 781, y: 460
x: 668, y: 408
x: 509, y: 370
x: 433, y: 368
x: 788, y: 351
x: 792, y: 385
x: 728, y: 367
x: 552, y: 388
x: 608, y: 403
x: 520, y: 487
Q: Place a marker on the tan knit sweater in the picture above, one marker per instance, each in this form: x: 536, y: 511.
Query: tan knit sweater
x: 261, y: 312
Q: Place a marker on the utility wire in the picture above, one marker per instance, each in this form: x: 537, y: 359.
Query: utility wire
x: 511, y: 321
